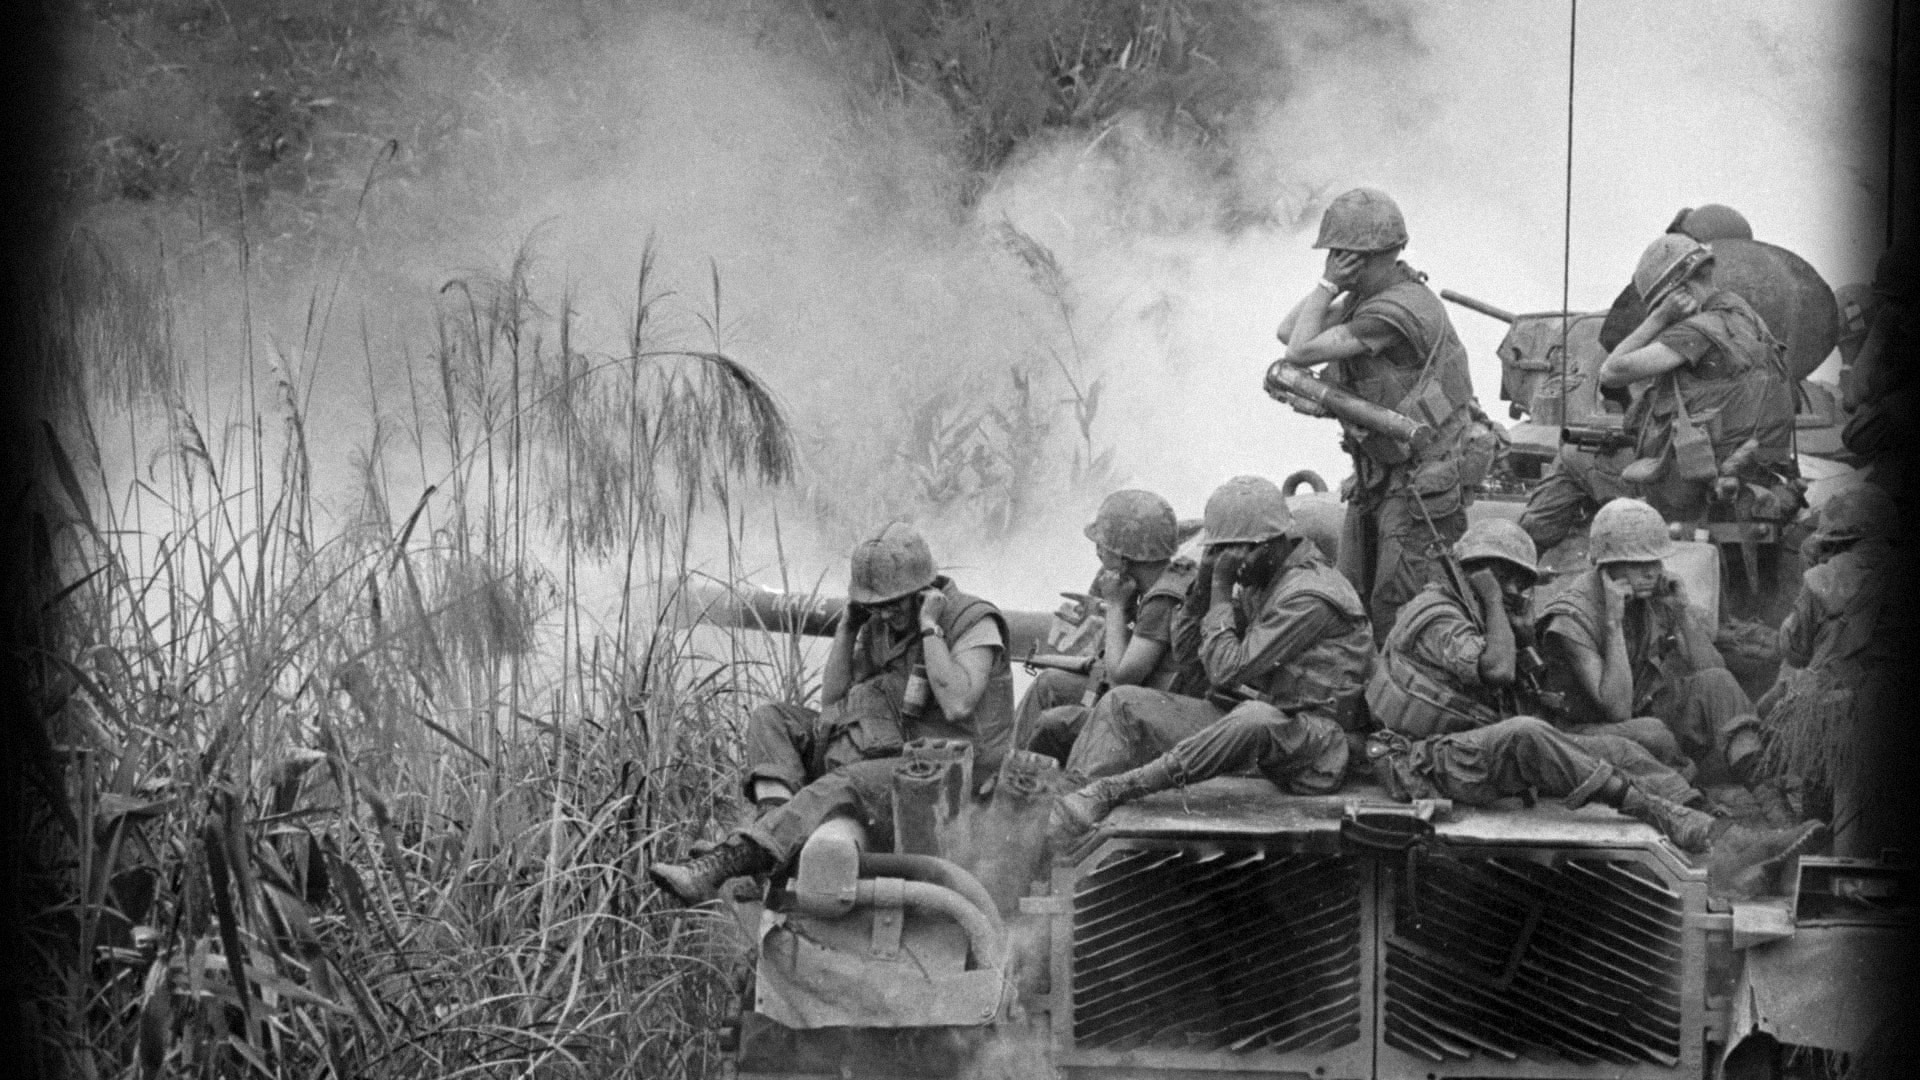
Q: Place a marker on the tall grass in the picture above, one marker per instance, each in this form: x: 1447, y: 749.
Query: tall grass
x: 374, y: 797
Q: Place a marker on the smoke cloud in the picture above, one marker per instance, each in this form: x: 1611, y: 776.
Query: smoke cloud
x: 887, y: 310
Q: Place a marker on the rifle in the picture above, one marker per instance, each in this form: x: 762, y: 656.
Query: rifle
x: 1599, y: 440
x: 1090, y: 666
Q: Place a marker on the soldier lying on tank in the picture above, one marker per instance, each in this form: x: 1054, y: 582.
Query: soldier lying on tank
x: 1631, y: 658
x: 1140, y: 587
x: 1461, y: 656
x: 1832, y: 717
x: 912, y: 658
x: 1714, y: 410
x: 1525, y: 757
x: 1385, y: 336
x: 1285, y: 646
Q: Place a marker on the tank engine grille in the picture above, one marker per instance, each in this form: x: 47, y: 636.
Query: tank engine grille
x: 1576, y: 960
x: 1204, y: 948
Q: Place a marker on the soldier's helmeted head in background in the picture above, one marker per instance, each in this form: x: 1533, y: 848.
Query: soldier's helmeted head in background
x: 1503, y: 548
x: 1711, y: 222
x: 1672, y: 261
x: 892, y: 565
x: 1364, y: 220
x: 1134, y: 526
x: 1862, y: 512
x: 1627, y: 542
x: 1249, y: 512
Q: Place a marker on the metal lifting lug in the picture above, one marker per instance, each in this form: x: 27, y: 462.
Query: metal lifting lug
x: 1392, y: 827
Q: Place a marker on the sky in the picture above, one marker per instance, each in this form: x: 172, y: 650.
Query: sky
x: 857, y: 287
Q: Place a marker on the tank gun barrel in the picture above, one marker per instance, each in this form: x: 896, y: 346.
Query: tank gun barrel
x: 1286, y: 382
x: 1480, y: 306
x: 747, y: 606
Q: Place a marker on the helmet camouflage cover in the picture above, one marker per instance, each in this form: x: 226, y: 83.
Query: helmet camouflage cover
x: 1628, y: 530
x: 1364, y: 219
x: 1247, y: 510
x: 892, y: 564
x: 1498, y: 538
x: 1137, y: 525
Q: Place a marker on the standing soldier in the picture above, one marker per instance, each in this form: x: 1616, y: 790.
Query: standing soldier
x: 912, y: 658
x: 1831, y: 715
x: 1287, y: 653
x: 1140, y: 587
x: 1633, y: 659
x: 1385, y: 336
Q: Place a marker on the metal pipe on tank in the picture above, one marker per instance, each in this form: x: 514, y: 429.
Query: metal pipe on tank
x: 748, y: 606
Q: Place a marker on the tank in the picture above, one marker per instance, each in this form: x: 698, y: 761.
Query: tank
x: 1549, y: 364
x: 1229, y: 930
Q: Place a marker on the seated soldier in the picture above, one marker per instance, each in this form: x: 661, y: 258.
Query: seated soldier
x: 1448, y: 666
x: 1525, y: 756
x: 913, y: 657
x: 1631, y: 658
x: 1287, y: 652
x: 1141, y: 585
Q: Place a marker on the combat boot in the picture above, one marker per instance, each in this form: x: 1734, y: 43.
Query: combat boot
x: 1691, y: 830
x: 700, y: 880
x: 1079, y: 811
x: 1741, y: 856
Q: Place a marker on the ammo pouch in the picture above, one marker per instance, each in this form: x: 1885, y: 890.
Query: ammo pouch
x: 865, y: 725
x: 1437, y: 485
x: 1408, y: 701
x: 1390, y: 756
x: 1692, y: 445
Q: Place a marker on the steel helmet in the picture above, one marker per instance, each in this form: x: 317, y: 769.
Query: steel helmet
x: 1628, y: 530
x: 1137, y: 525
x: 1667, y: 262
x: 1247, y: 510
x: 1364, y: 219
x: 1712, y: 222
x: 1498, y: 538
x: 1860, y: 511
x: 893, y: 564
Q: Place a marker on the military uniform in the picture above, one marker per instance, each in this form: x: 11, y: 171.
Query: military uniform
x: 1693, y: 696
x: 796, y: 745
x: 1301, y: 646
x: 1730, y: 382
x: 1838, y: 716
x: 1416, y: 366
x: 1518, y: 756
x: 1427, y: 687
x: 1051, y: 715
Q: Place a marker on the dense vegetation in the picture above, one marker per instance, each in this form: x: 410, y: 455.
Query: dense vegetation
x: 373, y: 797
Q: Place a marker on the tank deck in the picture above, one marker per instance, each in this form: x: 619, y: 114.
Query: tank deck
x: 1250, y: 806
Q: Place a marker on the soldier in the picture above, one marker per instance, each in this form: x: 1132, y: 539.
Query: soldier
x: 1711, y: 221
x: 1450, y: 663
x: 1524, y: 756
x: 1288, y: 651
x: 1879, y: 391
x: 913, y: 657
x: 1140, y: 587
x: 1385, y: 336
x: 1831, y: 713
x: 1626, y: 651
x: 1715, y: 416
